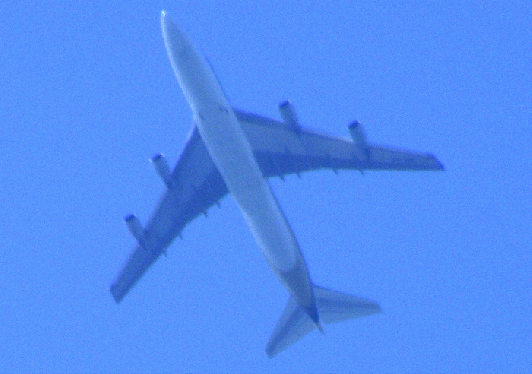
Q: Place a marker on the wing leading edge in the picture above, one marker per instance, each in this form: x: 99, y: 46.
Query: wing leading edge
x: 280, y: 149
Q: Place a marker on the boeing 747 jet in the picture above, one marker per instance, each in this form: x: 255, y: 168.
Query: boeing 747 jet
x: 232, y: 151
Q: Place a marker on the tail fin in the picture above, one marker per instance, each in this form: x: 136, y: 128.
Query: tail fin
x: 332, y: 306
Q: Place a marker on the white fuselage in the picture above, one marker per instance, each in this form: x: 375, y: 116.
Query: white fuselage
x: 232, y: 154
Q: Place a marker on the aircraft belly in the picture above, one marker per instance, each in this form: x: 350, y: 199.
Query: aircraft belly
x: 230, y: 150
x: 232, y: 155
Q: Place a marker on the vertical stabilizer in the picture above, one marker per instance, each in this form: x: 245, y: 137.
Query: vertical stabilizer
x: 333, y: 306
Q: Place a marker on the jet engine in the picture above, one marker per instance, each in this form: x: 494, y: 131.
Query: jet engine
x: 288, y: 114
x: 357, y: 133
x: 135, y: 228
x: 359, y: 138
x: 161, y: 166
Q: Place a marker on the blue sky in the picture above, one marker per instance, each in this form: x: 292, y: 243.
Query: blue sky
x: 88, y: 96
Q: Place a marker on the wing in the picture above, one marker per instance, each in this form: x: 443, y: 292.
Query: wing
x: 195, y: 186
x: 282, y: 149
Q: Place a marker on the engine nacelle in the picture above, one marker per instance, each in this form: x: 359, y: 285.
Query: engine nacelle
x: 135, y: 228
x: 288, y: 114
x: 359, y: 138
x: 161, y: 166
x: 357, y: 133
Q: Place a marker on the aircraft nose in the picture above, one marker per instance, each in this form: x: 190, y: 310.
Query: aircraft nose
x: 175, y: 40
x: 165, y: 19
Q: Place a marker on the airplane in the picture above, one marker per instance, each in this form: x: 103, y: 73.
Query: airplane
x: 234, y: 151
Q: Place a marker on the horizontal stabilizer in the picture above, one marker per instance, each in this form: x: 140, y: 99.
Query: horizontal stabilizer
x: 332, y: 306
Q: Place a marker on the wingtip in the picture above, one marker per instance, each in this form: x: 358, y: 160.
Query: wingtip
x: 438, y: 163
x: 438, y: 166
x: 117, y: 296
x: 270, y: 354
